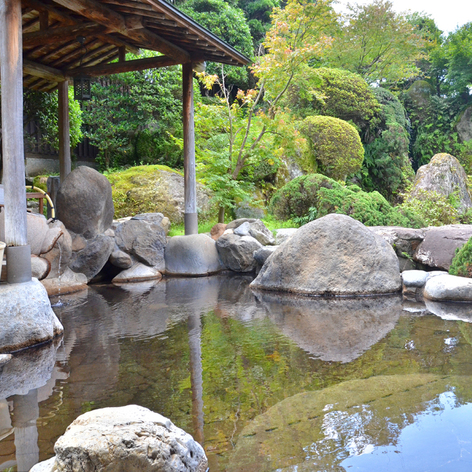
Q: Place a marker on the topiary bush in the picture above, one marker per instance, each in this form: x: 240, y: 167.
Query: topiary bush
x: 333, y: 92
x: 462, y: 263
x: 312, y: 196
x: 335, y: 148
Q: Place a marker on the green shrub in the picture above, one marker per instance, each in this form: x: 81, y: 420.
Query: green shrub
x: 335, y: 146
x: 313, y: 196
x: 462, y: 262
x: 296, y: 197
x: 386, y: 166
x: 433, y: 208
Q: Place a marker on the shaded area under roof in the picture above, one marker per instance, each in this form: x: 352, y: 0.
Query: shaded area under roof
x: 52, y: 53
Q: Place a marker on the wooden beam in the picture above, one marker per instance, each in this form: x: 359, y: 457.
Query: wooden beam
x: 43, y: 20
x: 101, y: 14
x: 155, y: 42
x: 109, y: 39
x: 122, y: 53
x: 12, y: 134
x: 64, y: 130
x: 53, y: 12
x: 57, y: 35
x: 190, y: 179
x: 40, y: 70
x: 119, y: 67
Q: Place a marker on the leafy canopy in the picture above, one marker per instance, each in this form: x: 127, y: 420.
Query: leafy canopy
x: 377, y: 43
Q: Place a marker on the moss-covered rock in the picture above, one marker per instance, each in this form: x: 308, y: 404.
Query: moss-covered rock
x: 154, y: 189
x: 335, y: 146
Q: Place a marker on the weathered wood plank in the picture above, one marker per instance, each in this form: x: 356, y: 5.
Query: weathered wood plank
x: 56, y: 35
x: 40, y: 70
x: 190, y: 178
x: 12, y: 123
x: 101, y: 14
x: 64, y: 130
x: 127, y: 66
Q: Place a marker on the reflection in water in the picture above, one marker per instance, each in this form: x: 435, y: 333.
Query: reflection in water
x: 266, y: 383
x: 24, y: 380
x: 336, y: 329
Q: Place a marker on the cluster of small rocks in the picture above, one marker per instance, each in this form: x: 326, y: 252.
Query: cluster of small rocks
x: 419, y: 285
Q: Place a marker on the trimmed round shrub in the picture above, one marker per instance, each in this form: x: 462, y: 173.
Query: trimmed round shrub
x: 462, y: 263
x: 335, y: 146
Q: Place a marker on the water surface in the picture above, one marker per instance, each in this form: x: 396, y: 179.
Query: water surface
x: 265, y: 382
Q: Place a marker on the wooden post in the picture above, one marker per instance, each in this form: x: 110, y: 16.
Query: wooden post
x: 19, y: 265
x: 64, y: 130
x: 190, y: 190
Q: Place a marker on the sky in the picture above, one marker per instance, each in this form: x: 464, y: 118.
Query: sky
x: 447, y: 14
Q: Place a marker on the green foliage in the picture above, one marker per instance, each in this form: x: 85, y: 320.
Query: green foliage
x: 336, y: 93
x: 296, y: 197
x: 462, y: 262
x: 229, y: 23
x: 313, y: 196
x: 433, y: 208
x: 335, y: 146
x: 258, y: 14
x: 377, y: 43
x: 386, y: 165
x: 41, y: 108
x: 433, y: 123
x: 131, y: 115
x: 458, y: 52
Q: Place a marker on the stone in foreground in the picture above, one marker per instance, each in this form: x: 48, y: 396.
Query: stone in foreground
x: 129, y: 438
x: 448, y: 288
x: 334, y: 255
x: 26, y: 316
x: 194, y: 254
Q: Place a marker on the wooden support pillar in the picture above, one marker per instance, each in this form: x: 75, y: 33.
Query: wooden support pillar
x: 65, y: 165
x: 190, y: 178
x: 18, y: 260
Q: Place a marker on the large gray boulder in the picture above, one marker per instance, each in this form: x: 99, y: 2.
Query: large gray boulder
x: 257, y: 230
x: 143, y: 237
x: 440, y: 243
x: 237, y: 252
x: 137, y: 273
x: 194, y: 254
x: 444, y: 175
x: 334, y: 255
x: 84, y: 202
x: 129, y: 438
x: 91, y: 260
x: 26, y: 316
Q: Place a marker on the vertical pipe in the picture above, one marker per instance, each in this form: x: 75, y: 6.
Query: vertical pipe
x: 12, y: 122
x: 190, y: 189
x: 64, y: 130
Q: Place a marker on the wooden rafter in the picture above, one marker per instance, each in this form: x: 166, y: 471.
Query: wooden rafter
x: 103, y: 15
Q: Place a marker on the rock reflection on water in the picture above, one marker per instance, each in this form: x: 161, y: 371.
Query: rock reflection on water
x: 335, y: 329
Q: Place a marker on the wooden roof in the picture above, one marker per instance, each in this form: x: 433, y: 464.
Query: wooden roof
x: 52, y: 52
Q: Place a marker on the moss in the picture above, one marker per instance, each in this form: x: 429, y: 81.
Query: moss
x: 137, y: 190
x: 336, y: 148
x: 462, y: 262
